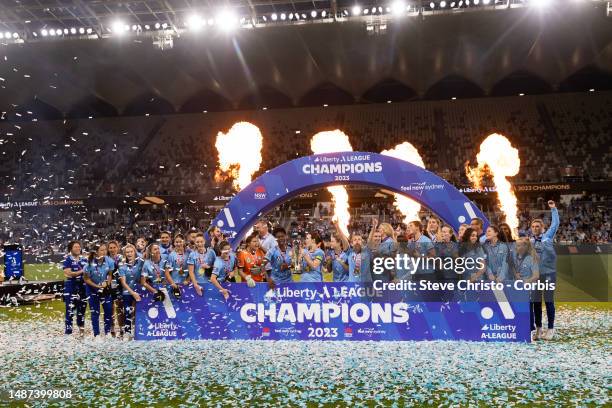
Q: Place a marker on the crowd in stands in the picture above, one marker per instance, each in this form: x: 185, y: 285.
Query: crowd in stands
x: 131, y: 157
x: 584, y: 220
x: 176, y: 154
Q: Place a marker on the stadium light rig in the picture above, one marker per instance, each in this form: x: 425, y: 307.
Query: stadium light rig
x: 228, y: 19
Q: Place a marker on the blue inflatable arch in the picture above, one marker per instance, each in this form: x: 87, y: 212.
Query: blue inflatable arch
x: 313, y: 172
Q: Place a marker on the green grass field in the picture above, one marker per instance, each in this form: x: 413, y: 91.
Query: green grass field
x: 42, y: 272
x: 572, y: 370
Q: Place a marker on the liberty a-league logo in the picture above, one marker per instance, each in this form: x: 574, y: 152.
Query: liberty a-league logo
x: 153, y: 311
x: 260, y: 193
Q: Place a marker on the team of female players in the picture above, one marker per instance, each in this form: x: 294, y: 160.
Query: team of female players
x: 112, y: 278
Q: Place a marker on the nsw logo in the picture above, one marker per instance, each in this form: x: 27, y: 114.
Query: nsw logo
x: 260, y: 193
x: 348, y: 332
x: 265, y: 332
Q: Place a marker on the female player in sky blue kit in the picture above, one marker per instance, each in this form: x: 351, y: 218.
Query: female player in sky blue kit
x: 498, y: 256
x: 447, y: 248
x: 471, y: 248
x: 527, y: 270
x: 97, y: 276
x: 359, y: 257
x: 421, y: 246
x: 74, y: 289
x: 154, y: 271
x: 280, y: 258
x: 507, y: 237
x: 129, y: 275
x: 224, y: 268
x: 543, y: 243
x: 141, y: 246
x: 311, y: 258
x: 177, y: 259
x: 386, y: 249
x: 165, y: 247
x: 337, y: 259
x: 116, y: 259
x: 198, y: 262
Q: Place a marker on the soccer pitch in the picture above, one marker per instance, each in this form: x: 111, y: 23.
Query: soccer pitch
x: 572, y: 370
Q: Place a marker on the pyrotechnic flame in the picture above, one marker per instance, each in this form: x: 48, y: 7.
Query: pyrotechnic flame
x: 499, y: 158
x: 408, y: 207
x: 239, y: 154
x: 331, y: 142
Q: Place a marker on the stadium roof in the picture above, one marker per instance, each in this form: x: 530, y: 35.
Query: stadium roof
x: 505, y: 52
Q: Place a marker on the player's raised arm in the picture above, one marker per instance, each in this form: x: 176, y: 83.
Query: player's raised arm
x: 554, y: 224
x: 341, y: 235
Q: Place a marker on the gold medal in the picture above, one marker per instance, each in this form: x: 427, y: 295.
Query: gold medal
x: 201, y: 271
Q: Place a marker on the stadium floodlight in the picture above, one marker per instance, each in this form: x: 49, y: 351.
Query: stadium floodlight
x: 432, y: 5
x: 147, y: 27
x: 356, y: 10
x: 324, y: 14
x: 442, y: 4
x: 476, y: 2
x: 283, y: 16
x: 81, y: 30
x: 304, y: 16
x: 164, y: 25
x: 44, y: 32
x: 66, y: 31
x: 540, y: 3
x: 52, y: 32
x: 1, y: 36
x: 89, y: 31
x: 226, y: 20
x: 398, y: 7
x: 290, y: 16
x: 118, y: 27
x: 467, y: 2
x: 157, y: 26
x: 15, y: 35
x: 274, y: 16
x: 366, y: 11
x: 486, y: 2
x: 452, y: 4
x: 195, y: 22
x: 73, y: 30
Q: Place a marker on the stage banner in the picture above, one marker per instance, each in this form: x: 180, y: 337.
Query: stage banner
x: 332, y: 311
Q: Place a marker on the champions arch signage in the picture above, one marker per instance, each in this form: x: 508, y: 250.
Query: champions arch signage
x: 322, y: 170
x: 335, y: 310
